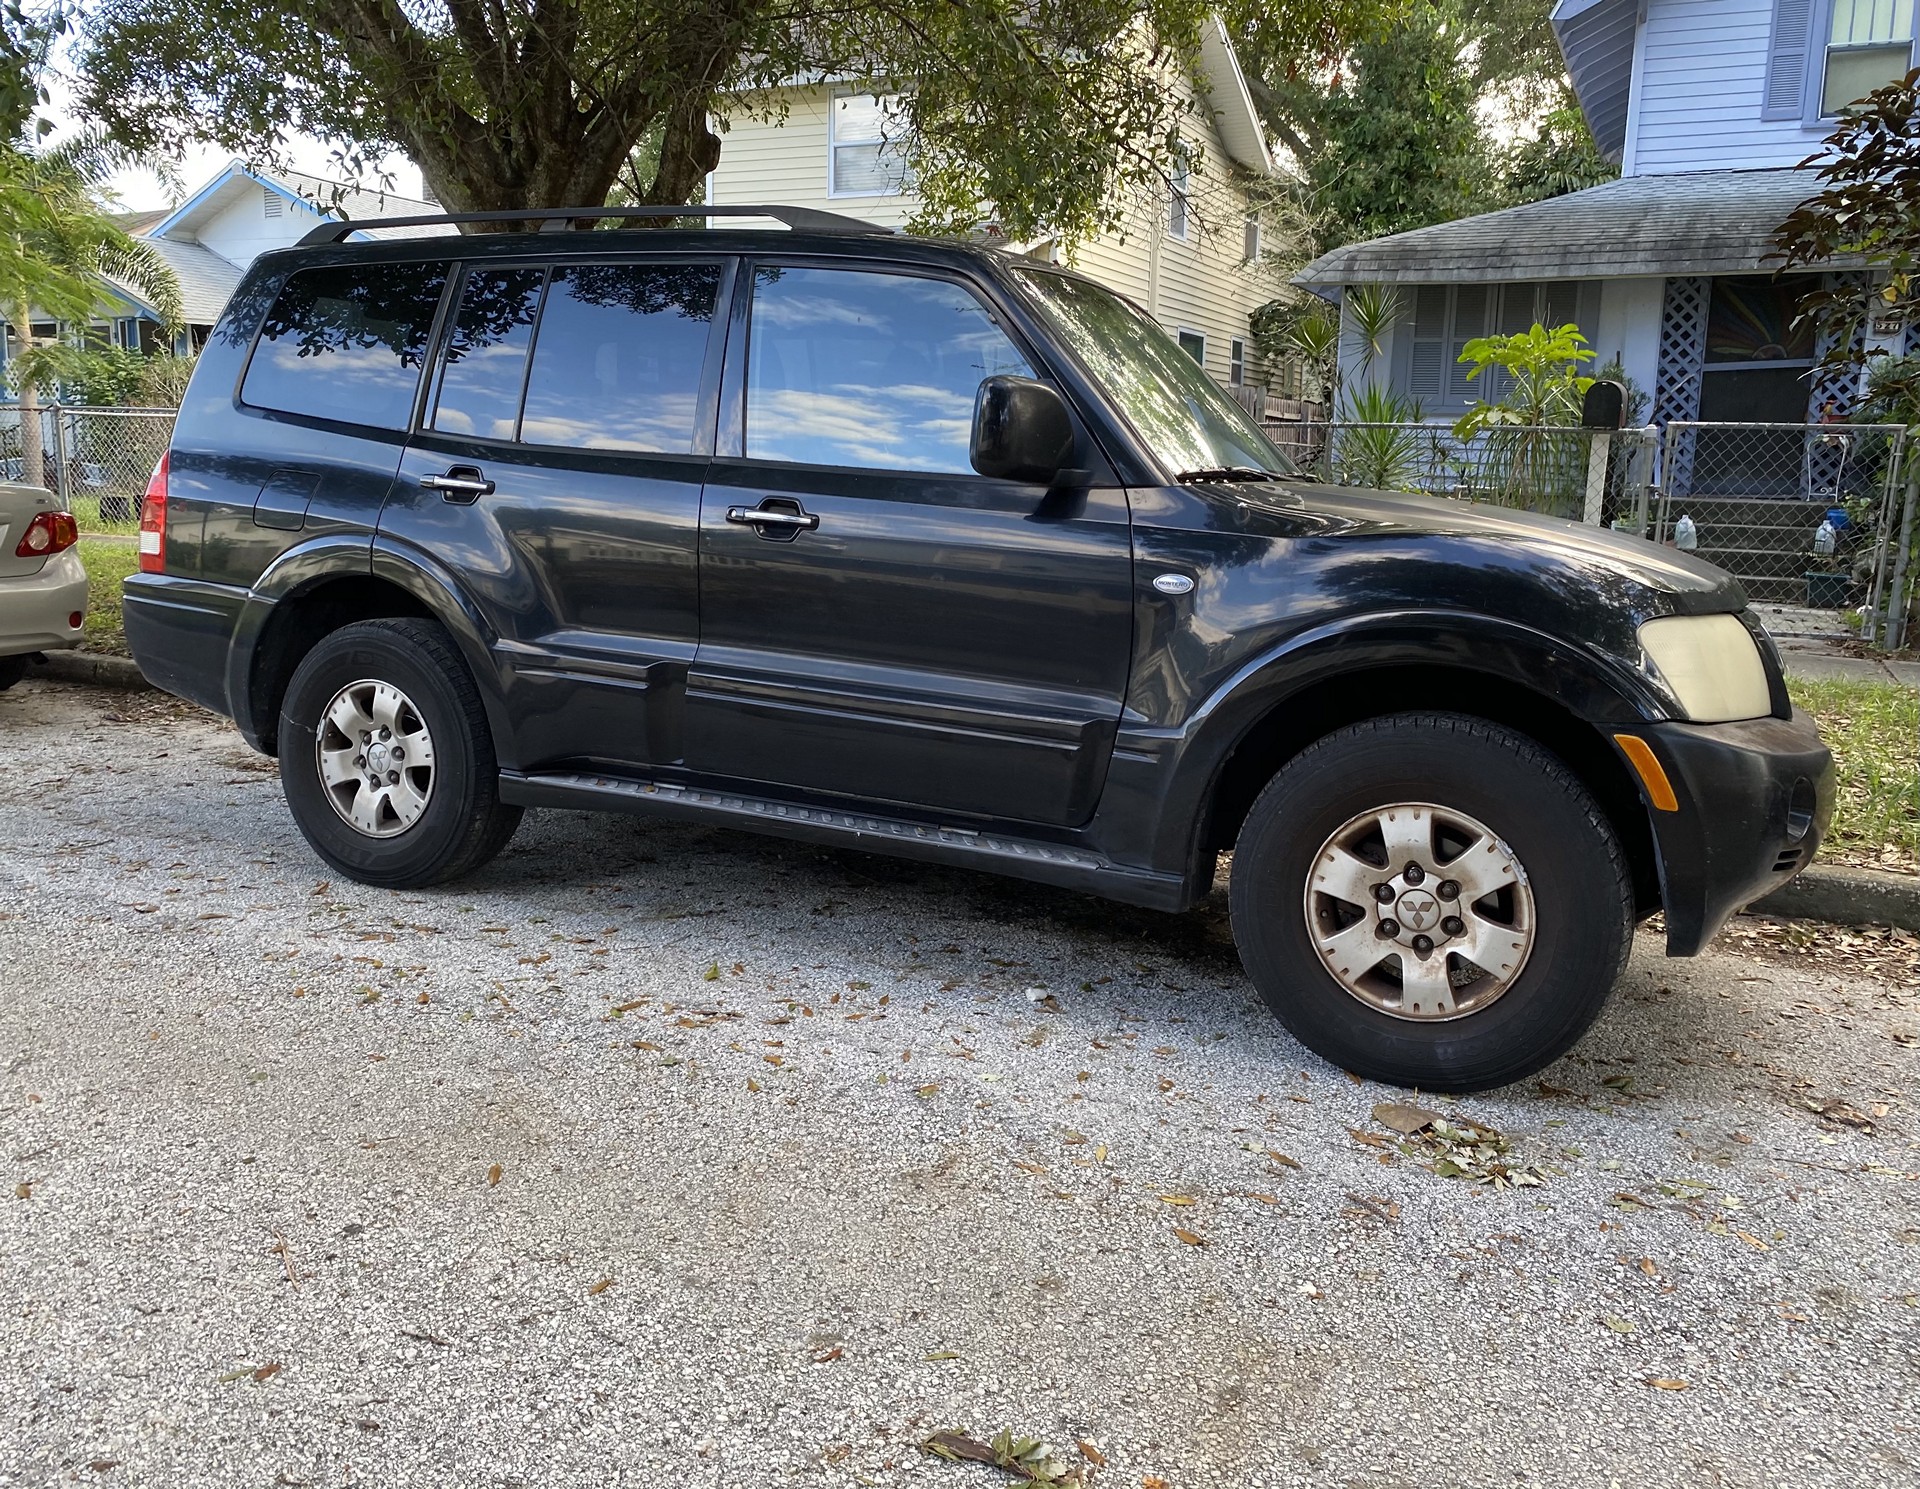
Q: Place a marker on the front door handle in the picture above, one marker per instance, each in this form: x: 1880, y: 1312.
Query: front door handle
x: 462, y: 483
x: 785, y: 521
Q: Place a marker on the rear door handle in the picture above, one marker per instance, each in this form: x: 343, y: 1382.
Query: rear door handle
x: 785, y: 522
x: 462, y: 483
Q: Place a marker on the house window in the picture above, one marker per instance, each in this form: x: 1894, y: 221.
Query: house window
x: 1237, y: 362
x: 1250, y: 240
x: 864, y: 133
x: 1179, y: 193
x: 1436, y: 321
x: 1869, y: 44
x: 1194, y: 345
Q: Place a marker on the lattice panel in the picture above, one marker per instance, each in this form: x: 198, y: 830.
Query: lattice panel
x: 1832, y: 394
x: 1683, y: 354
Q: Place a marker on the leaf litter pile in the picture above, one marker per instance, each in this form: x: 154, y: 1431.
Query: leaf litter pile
x: 1027, y: 1459
x: 1457, y: 1147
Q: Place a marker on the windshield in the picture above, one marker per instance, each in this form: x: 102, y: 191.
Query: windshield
x: 1192, y: 427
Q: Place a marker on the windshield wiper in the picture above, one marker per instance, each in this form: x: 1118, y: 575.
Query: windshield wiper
x: 1230, y: 473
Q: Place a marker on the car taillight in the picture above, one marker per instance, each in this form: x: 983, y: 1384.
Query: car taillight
x: 153, y: 520
x: 49, y: 533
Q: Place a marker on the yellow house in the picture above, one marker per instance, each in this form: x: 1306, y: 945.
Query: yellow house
x: 1189, y: 254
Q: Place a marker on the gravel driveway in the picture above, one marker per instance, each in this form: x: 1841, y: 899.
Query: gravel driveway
x: 664, y: 1156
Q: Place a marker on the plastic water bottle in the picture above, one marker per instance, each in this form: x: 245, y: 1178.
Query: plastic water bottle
x: 1824, y: 537
x: 1686, y: 536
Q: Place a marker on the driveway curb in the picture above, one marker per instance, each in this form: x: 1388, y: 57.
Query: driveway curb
x: 1847, y: 897
x: 86, y: 667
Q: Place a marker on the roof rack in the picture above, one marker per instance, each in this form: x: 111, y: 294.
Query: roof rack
x: 559, y: 219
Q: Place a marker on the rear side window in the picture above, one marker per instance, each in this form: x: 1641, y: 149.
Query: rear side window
x: 347, y: 343
x: 618, y: 359
x: 486, y: 357
x: 852, y: 368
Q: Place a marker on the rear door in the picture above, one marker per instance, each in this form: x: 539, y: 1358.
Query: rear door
x: 558, y: 475
x: 878, y: 621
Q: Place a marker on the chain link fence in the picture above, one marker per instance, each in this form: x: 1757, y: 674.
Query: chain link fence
x: 1597, y: 476
x: 97, y: 459
x: 1804, y: 515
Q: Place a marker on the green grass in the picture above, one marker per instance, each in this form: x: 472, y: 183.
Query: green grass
x: 122, y: 514
x: 1873, y: 730
x: 108, y: 561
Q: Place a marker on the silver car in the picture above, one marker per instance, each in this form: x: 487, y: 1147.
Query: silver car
x: 43, y: 587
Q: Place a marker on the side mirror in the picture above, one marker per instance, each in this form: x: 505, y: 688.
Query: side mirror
x: 1604, y: 406
x: 1021, y: 431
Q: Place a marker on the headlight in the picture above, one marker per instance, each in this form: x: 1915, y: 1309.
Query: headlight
x: 1711, y: 666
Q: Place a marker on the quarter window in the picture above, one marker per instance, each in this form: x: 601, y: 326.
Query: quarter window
x: 486, y: 357
x: 872, y: 370
x: 864, y: 133
x: 619, y: 356
x: 1194, y: 345
x: 1869, y: 44
x: 347, y: 343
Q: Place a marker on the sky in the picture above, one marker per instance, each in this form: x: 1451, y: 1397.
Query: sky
x: 138, y: 191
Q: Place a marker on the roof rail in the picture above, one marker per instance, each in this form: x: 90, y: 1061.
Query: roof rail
x: 558, y: 219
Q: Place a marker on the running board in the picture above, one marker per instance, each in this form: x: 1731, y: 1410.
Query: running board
x: 1022, y: 858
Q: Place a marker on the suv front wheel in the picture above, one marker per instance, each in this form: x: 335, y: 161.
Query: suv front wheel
x: 1431, y: 900
x: 386, y: 758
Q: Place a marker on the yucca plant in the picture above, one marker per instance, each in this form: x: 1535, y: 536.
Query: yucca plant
x: 1383, y: 444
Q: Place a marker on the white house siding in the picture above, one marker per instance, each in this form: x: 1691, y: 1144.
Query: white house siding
x: 785, y: 163
x: 239, y: 230
x: 1698, y: 95
x: 1201, y: 284
x: 1629, y: 328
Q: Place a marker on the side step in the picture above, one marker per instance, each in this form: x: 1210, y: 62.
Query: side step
x: 1021, y: 858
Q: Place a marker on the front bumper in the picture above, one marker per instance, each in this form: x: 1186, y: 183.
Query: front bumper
x: 1754, y: 800
x: 35, y: 608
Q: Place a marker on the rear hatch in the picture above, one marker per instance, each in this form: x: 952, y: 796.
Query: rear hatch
x: 19, y: 505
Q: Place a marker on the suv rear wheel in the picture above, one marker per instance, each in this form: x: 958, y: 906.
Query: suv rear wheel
x: 386, y: 758
x: 1431, y: 900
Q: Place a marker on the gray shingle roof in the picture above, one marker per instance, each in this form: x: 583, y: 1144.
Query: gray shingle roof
x: 1699, y: 222
x: 207, y: 281
x: 356, y: 204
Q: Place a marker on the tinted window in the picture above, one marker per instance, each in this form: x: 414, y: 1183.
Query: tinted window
x: 876, y: 370
x: 486, y: 356
x: 347, y: 343
x: 617, y: 363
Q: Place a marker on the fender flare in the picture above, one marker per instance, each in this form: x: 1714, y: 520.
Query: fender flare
x: 306, y: 567
x: 1594, y: 688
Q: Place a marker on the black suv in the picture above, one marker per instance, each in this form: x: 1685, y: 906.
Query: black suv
x: 917, y: 547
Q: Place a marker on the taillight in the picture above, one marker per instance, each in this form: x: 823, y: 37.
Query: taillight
x: 49, y: 533
x: 153, y: 521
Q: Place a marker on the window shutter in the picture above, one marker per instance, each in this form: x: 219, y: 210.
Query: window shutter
x: 1426, y: 366
x: 1469, y: 321
x: 1786, y: 88
x: 271, y: 202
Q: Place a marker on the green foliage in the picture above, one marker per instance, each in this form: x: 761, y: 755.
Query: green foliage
x: 1868, y: 205
x: 1540, y: 384
x: 104, y: 377
x: 1401, y: 145
x: 163, y: 381
x: 1381, y: 447
x: 1035, y: 116
x: 1306, y: 332
x: 1560, y: 159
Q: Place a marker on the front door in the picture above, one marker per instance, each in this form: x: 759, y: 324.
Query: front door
x: 558, y: 475
x: 877, y: 620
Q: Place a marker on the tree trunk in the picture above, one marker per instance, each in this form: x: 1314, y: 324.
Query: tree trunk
x: 33, y: 455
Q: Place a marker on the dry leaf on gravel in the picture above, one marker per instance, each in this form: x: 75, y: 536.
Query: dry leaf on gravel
x: 1026, y: 1458
x: 599, y: 1287
x: 1403, y: 1119
x: 1667, y: 1383
x: 1189, y: 1237
x: 493, y: 1175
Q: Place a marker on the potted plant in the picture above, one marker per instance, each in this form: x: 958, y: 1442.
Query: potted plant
x: 1828, y: 582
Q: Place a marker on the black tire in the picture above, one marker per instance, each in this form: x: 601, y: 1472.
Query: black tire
x: 1582, y: 898
x: 12, y: 669
x: 464, y: 823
